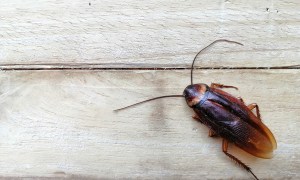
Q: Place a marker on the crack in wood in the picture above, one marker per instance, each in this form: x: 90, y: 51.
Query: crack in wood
x: 91, y: 68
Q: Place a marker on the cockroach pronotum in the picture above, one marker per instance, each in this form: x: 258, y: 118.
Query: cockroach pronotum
x: 227, y: 116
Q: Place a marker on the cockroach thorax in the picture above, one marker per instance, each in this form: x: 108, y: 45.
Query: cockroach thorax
x: 194, y: 93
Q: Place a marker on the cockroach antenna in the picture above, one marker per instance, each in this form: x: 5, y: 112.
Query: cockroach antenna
x: 192, y: 68
x: 160, y: 97
x: 219, y: 40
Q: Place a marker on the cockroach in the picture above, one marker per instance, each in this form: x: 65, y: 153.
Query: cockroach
x: 227, y: 116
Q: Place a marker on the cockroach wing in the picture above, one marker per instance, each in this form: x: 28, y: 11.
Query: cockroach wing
x: 233, y: 120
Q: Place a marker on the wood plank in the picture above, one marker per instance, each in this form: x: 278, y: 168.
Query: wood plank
x: 126, y: 34
x: 60, y: 124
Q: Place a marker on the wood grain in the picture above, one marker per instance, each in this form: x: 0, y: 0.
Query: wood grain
x: 139, y: 34
x: 60, y: 124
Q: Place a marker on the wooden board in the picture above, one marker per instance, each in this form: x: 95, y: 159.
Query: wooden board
x: 139, y: 34
x: 60, y: 124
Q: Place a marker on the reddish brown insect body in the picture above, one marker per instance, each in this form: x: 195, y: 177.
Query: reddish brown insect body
x: 228, y: 117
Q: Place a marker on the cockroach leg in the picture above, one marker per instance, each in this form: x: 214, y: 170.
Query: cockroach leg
x: 212, y: 133
x: 197, y: 118
x: 241, y: 99
x: 254, y: 106
x: 239, y: 162
x: 216, y: 85
x: 251, y: 107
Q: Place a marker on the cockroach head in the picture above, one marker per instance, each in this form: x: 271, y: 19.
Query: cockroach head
x: 194, y: 93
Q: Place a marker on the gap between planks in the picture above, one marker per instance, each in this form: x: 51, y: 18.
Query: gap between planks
x: 36, y: 67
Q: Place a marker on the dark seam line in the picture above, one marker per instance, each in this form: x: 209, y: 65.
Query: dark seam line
x: 125, y: 69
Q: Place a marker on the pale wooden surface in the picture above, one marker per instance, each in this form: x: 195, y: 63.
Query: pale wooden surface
x: 148, y: 33
x: 60, y: 124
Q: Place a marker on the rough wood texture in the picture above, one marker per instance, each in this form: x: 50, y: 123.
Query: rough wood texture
x: 61, y: 124
x: 151, y: 33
